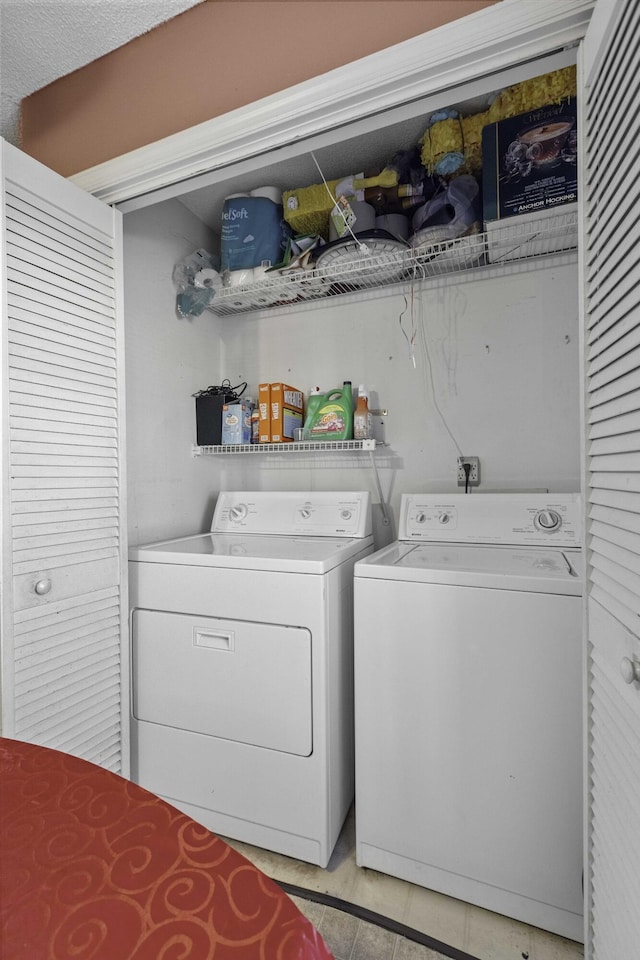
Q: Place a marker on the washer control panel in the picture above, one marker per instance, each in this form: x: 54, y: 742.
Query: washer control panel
x: 314, y: 514
x: 511, y: 518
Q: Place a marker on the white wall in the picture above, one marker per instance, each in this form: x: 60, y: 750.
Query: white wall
x: 167, y: 359
x: 505, y: 363
x: 503, y: 353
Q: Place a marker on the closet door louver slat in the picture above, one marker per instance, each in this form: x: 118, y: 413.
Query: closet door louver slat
x: 80, y: 235
x: 624, y: 442
x: 60, y: 330
x: 620, y: 316
x: 602, y: 408
x: 617, y: 343
x: 621, y: 363
x: 29, y: 234
x: 615, y: 851
x: 604, y: 426
x: 85, y: 324
x: 62, y: 273
x: 612, y: 305
x: 622, y: 390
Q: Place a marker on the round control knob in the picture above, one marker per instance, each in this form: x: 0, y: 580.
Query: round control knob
x: 305, y: 511
x: 548, y: 520
x: 345, y: 514
x: 420, y: 517
x: 630, y: 670
x: 42, y: 587
x: 444, y: 518
x: 238, y: 512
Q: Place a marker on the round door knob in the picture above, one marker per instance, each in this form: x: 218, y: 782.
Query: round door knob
x: 42, y: 587
x: 630, y: 670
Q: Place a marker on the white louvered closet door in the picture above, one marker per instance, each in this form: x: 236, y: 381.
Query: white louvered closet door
x: 612, y: 307
x: 64, y: 617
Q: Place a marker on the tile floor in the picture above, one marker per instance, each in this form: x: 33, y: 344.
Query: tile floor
x: 350, y: 938
x: 485, y: 935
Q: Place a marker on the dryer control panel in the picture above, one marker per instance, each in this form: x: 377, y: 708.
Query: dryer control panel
x: 511, y: 518
x: 292, y: 513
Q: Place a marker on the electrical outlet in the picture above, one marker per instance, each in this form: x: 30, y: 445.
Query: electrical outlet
x: 474, y: 472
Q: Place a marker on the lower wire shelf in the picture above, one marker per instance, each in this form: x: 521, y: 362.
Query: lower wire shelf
x: 302, y: 446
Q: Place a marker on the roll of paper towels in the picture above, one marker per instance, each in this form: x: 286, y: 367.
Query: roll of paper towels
x: 240, y: 278
x: 271, y: 193
x: 260, y: 273
x: 208, y: 277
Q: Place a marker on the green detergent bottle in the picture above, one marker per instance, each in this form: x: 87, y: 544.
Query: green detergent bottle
x: 330, y: 415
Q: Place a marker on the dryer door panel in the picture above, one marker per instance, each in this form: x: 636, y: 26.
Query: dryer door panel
x: 243, y: 681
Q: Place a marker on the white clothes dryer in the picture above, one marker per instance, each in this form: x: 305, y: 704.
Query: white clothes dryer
x: 242, y: 668
x: 468, y: 692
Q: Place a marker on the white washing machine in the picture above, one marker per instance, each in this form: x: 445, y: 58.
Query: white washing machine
x: 468, y: 704
x: 242, y: 668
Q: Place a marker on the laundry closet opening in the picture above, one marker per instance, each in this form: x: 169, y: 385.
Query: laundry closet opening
x: 482, y: 358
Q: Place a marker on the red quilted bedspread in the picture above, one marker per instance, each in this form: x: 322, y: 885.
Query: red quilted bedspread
x: 93, y: 867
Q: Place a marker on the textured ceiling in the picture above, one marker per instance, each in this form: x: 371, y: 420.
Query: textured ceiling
x: 41, y: 40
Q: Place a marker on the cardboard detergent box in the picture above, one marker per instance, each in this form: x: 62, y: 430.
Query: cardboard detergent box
x: 529, y: 162
x: 236, y: 422
x: 287, y: 407
x: 264, y: 413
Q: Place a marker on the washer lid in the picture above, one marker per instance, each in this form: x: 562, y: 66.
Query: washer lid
x: 315, y: 555
x: 531, y: 569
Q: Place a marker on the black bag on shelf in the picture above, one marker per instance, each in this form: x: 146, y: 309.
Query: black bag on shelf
x: 209, y: 405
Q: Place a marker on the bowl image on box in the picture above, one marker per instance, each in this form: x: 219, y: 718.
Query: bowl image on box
x: 542, y: 144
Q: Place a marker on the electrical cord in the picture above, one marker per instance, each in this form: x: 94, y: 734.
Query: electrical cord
x: 427, y: 354
x: 467, y: 470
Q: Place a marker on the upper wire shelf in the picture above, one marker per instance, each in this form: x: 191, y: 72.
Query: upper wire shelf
x: 504, y: 242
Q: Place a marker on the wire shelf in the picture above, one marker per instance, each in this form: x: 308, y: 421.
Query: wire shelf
x: 504, y: 242
x: 303, y: 446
